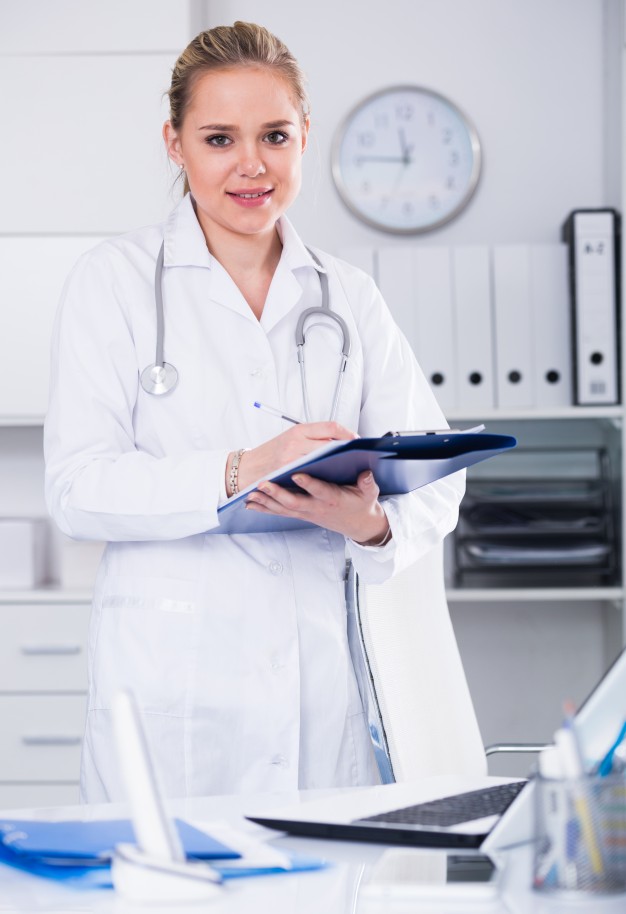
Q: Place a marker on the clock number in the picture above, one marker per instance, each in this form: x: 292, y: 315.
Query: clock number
x: 454, y: 158
x: 446, y: 136
x: 434, y: 202
x: 450, y: 182
x: 407, y: 207
x: 404, y: 112
x: 366, y: 140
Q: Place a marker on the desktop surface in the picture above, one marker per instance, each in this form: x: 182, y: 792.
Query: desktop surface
x: 341, y: 888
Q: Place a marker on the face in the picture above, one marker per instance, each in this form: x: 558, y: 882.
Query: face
x: 241, y: 145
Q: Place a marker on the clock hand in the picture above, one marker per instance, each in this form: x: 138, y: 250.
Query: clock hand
x: 361, y: 159
x: 406, y: 149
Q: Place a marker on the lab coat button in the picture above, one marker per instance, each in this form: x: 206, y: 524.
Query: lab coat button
x: 275, y: 567
x: 277, y: 666
x: 280, y: 761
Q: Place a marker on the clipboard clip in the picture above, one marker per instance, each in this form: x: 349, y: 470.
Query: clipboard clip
x: 440, y: 431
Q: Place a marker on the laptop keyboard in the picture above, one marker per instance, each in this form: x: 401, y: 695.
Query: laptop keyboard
x: 463, y: 807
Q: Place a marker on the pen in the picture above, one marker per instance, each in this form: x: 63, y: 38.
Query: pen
x: 606, y: 765
x: 276, y: 412
x: 566, y: 742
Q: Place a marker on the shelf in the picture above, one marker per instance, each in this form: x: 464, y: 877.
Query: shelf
x: 565, y: 412
x: 528, y: 594
x: 21, y: 421
x: 45, y: 595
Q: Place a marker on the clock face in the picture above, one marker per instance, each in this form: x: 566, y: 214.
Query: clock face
x: 406, y: 160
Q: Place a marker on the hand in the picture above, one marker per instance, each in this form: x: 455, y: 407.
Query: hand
x: 353, y: 511
x: 296, y: 442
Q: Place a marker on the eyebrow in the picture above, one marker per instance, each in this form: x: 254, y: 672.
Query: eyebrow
x: 271, y: 125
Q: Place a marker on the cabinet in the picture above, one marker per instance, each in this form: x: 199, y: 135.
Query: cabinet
x: 43, y: 686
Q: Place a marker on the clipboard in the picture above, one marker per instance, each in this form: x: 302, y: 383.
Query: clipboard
x: 400, y: 463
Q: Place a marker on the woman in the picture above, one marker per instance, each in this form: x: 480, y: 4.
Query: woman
x: 235, y: 645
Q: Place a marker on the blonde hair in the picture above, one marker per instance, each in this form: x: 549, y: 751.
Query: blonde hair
x: 227, y: 46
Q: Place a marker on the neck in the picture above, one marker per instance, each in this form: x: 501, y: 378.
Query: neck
x: 242, y: 254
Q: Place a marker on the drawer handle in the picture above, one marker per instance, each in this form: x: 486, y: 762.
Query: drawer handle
x: 31, y: 650
x: 52, y: 740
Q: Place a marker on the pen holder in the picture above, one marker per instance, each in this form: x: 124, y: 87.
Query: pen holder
x: 580, y: 834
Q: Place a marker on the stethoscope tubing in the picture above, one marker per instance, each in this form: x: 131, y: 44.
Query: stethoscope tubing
x: 161, y: 377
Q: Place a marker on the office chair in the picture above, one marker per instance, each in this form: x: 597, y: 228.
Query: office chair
x: 417, y: 675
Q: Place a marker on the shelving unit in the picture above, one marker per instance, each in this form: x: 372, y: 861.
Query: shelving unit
x: 578, y: 426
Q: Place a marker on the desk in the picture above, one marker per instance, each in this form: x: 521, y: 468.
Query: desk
x: 335, y: 890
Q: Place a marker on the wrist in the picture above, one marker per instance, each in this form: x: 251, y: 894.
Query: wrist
x: 381, y: 537
x: 233, y: 464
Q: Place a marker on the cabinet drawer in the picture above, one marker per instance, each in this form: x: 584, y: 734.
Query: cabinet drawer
x: 29, y: 796
x: 41, y: 737
x: 43, y: 648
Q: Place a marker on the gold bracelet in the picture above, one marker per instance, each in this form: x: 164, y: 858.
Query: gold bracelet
x: 233, y: 476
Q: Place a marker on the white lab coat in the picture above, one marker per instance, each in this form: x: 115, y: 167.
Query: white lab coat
x: 235, y: 646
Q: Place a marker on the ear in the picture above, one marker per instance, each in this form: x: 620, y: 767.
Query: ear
x: 305, y: 132
x: 172, y: 143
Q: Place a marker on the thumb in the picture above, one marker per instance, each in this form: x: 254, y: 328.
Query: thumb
x: 367, y: 484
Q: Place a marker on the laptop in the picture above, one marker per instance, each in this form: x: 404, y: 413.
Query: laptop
x: 452, y: 812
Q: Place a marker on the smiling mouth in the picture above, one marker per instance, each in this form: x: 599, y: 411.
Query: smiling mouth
x: 250, y: 196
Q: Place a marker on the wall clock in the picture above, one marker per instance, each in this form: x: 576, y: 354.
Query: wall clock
x: 406, y: 160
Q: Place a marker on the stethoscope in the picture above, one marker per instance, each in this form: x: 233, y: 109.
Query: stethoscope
x: 161, y: 377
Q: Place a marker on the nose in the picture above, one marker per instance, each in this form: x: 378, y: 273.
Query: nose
x: 250, y: 164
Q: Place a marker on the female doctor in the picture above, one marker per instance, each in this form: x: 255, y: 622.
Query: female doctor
x: 235, y: 645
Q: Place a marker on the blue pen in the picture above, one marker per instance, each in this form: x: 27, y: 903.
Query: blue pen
x: 606, y: 765
x: 276, y: 412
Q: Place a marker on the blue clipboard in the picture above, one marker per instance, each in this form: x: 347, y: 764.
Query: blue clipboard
x: 400, y: 464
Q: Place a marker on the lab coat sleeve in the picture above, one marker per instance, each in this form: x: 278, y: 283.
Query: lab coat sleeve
x: 98, y: 484
x: 396, y: 395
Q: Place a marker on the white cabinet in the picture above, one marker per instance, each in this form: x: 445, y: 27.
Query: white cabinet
x: 43, y: 686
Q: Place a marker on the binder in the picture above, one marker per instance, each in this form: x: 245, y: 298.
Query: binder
x: 435, y: 336
x: 400, y: 463
x: 396, y: 281
x: 472, y: 314
x: 513, y: 328
x: 552, y: 325
x: 593, y: 240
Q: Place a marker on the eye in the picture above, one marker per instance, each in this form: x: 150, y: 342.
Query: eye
x: 218, y: 139
x: 277, y: 138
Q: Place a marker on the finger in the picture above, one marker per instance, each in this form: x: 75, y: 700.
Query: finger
x: 367, y: 485
x: 328, y: 431
x: 317, y: 488
x: 278, y: 499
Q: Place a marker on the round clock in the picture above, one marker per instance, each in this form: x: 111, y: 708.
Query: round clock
x: 406, y: 160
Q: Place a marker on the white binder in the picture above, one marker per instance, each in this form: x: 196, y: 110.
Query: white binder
x: 472, y: 312
x: 552, y: 325
x: 396, y: 281
x: 513, y: 326
x: 435, y: 332
x: 591, y: 235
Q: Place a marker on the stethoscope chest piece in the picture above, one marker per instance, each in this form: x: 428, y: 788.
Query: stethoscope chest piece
x: 159, y: 379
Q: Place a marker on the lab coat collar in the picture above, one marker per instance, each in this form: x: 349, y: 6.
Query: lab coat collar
x: 185, y: 244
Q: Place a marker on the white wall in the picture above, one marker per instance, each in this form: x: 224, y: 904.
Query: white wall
x: 529, y: 73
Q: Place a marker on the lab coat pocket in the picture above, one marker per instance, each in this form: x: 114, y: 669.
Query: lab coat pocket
x: 145, y: 640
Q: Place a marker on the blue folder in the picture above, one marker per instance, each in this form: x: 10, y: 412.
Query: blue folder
x: 400, y: 463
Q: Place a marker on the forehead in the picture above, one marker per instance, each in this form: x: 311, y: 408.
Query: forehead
x: 225, y: 96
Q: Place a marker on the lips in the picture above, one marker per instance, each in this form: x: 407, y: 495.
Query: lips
x: 248, y: 198
x: 250, y: 194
